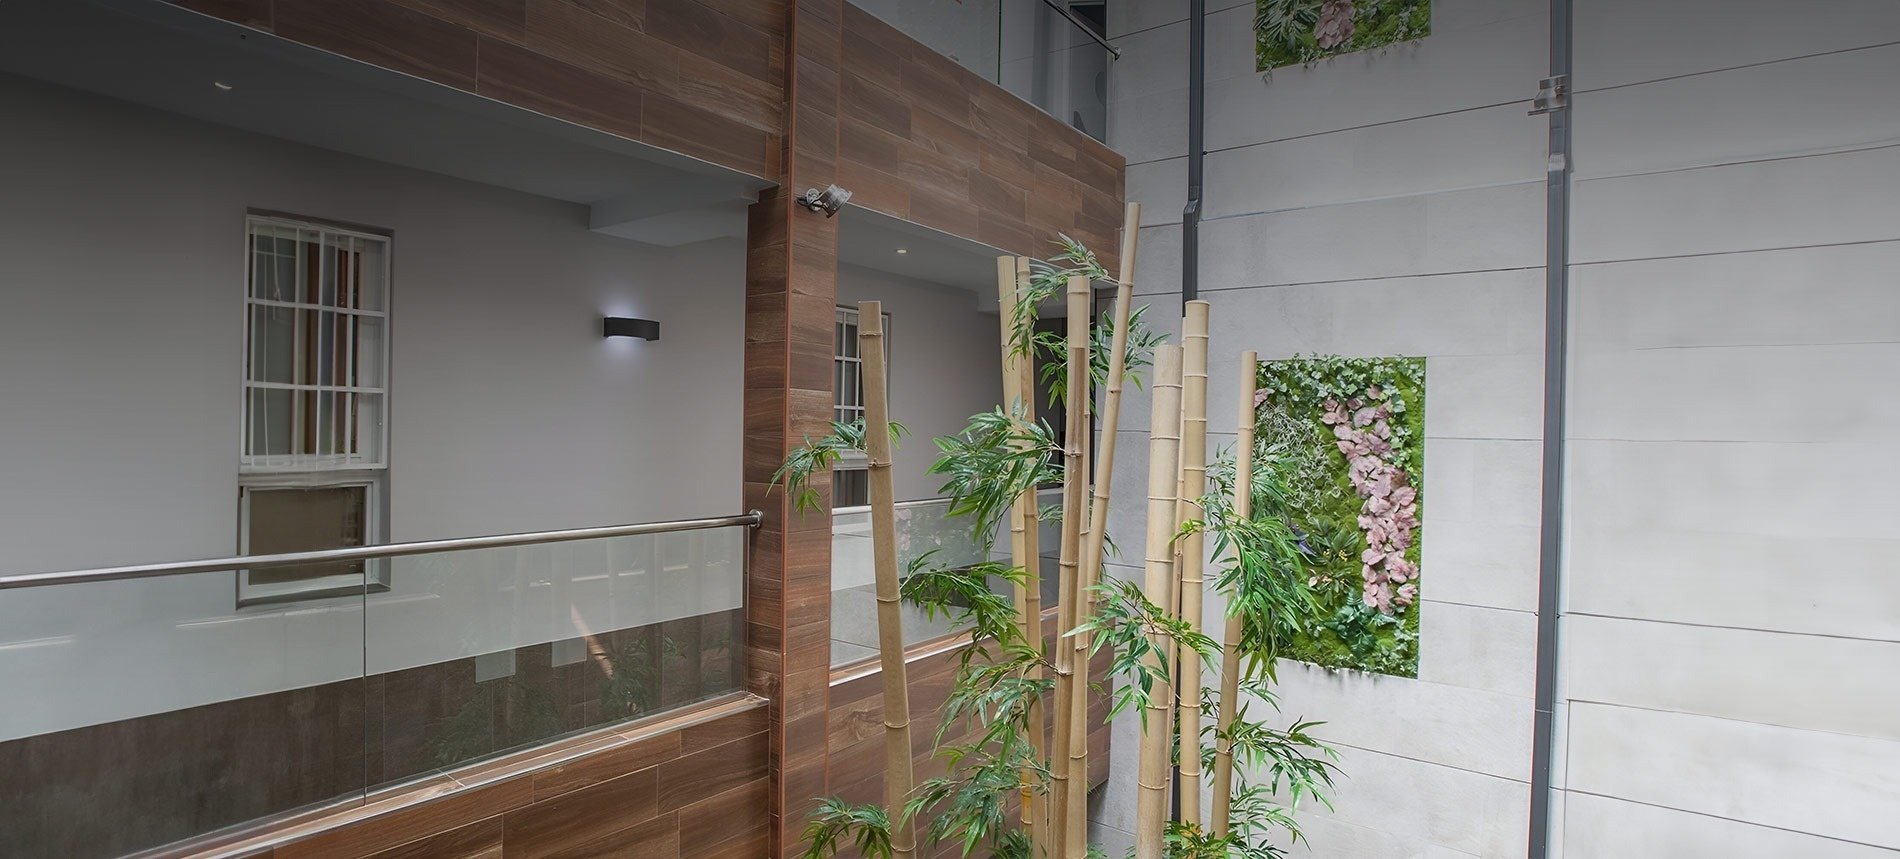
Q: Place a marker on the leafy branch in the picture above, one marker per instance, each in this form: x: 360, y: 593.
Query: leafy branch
x: 991, y: 463
x: 818, y: 456
x: 1137, y: 351
x: 1130, y: 626
x: 865, y: 827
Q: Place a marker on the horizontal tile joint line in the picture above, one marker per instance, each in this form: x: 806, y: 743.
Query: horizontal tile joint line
x: 1483, y: 186
x: 1757, y: 64
x: 1380, y: 124
x: 1848, y: 149
x: 1666, y: 622
x: 1772, y: 249
x: 1720, y: 817
x: 1441, y: 765
x: 1590, y: 702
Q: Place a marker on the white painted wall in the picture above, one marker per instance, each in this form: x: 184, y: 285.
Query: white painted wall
x: 944, y: 364
x: 121, y: 267
x: 1730, y: 613
x: 1381, y: 204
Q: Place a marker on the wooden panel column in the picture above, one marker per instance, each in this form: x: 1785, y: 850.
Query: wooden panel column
x: 791, y: 293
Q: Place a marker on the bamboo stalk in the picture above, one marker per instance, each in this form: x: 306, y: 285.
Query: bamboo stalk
x: 1189, y: 577
x: 1164, y: 449
x: 1074, y: 486
x: 1230, y: 638
x: 1095, y: 533
x: 1035, y: 812
x: 1018, y: 399
x: 890, y: 618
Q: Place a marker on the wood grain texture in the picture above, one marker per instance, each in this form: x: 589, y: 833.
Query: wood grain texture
x: 933, y: 143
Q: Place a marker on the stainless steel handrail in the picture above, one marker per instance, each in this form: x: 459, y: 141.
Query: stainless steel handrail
x: 385, y: 550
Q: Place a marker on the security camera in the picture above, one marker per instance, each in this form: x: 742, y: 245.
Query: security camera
x: 829, y: 201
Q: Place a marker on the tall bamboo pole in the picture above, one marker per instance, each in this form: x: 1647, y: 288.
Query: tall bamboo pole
x: 1035, y: 811
x: 890, y: 618
x: 1019, y: 399
x: 1164, y: 450
x: 1074, y: 494
x: 1095, y: 534
x: 1230, y: 638
x: 1193, y: 483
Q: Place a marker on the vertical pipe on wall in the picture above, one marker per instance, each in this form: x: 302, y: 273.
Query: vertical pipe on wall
x: 1550, y: 539
x: 1196, y: 146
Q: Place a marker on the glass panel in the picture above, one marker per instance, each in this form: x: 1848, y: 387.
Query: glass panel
x: 271, y: 427
x: 148, y: 711
x: 368, y: 425
x: 372, y: 276
x: 1050, y: 62
x: 483, y: 652
x: 274, y: 343
x: 368, y: 333
x: 922, y: 527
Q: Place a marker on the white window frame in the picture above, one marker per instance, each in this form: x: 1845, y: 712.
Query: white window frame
x: 314, y: 471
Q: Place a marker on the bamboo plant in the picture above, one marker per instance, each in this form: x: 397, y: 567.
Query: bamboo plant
x: 1006, y: 792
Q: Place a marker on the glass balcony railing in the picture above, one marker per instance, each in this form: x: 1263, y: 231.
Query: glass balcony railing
x: 1050, y: 53
x: 144, y: 707
x: 922, y: 527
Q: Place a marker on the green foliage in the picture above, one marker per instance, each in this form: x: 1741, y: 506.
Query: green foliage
x: 1129, y: 625
x: 817, y: 456
x: 969, y: 806
x: 1287, y: 32
x: 632, y: 685
x: 1137, y: 352
x: 1318, y: 503
x: 1046, y: 281
x: 997, y: 458
x: 865, y: 827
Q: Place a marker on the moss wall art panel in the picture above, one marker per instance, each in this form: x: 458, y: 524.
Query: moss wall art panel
x: 1299, y: 32
x: 1347, y: 437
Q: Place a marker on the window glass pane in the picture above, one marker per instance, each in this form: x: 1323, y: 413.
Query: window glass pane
x: 369, y: 352
x: 302, y: 520
x: 371, y: 274
x: 850, y: 487
x: 850, y: 343
x: 367, y: 422
x: 271, y: 422
x: 273, y: 344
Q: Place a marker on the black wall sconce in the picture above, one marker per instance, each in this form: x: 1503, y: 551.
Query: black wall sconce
x: 627, y: 326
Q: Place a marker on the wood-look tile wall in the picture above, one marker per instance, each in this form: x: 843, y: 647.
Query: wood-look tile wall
x: 791, y: 293
x: 927, y: 140
x: 696, y: 792
x: 702, y: 77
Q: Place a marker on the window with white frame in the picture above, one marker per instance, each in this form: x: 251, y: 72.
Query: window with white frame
x: 850, y: 480
x: 316, y: 390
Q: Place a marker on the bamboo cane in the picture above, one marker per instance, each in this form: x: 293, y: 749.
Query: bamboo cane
x: 890, y: 619
x: 1035, y: 812
x: 1095, y: 533
x: 1074, y: 484
x: 1011, y: 279
x: 1230, y: 639
x: 1164, y: 449
x: 1193, y: 483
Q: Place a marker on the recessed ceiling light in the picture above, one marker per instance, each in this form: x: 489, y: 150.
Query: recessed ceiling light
x: 903, y: 250
x: 222, y: 86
